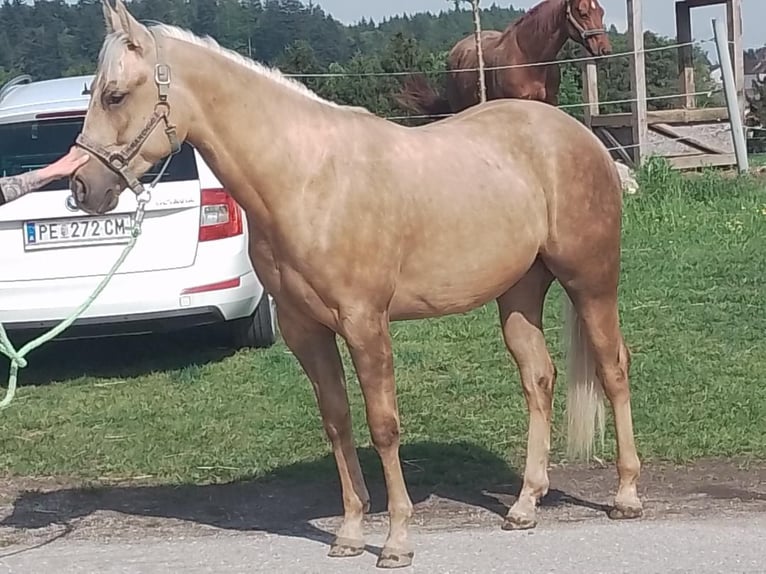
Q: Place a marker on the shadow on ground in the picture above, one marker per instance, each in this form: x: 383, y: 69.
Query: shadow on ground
x: 119, y: 357
x: 289, y: 499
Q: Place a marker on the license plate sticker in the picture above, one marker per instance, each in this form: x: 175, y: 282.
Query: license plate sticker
x: 50, y: 234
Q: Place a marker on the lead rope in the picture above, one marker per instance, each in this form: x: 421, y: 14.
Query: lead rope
x: 18, y: 358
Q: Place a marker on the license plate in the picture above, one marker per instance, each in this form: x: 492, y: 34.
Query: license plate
x: 50, y: 234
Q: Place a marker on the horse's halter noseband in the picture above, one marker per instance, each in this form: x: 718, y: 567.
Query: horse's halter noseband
x: 118, y: 160
x: 584, y: 34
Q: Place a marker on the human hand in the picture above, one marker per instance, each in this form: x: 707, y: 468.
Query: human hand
x: 66, y: 165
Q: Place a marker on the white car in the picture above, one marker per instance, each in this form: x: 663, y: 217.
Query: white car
x: 190, y: 266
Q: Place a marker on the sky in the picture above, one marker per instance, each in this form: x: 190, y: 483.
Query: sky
x: 659, y: 15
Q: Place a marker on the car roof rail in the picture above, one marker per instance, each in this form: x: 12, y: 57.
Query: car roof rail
x: 22, y: 79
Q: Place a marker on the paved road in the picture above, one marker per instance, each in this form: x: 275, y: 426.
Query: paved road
x: 723, y: 545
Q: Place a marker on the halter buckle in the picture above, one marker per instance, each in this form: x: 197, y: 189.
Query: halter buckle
x: 117, y: 161
x: 162, y: 74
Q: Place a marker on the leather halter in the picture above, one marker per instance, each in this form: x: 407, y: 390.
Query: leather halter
x: 117, y: 160
x: 584, y: 34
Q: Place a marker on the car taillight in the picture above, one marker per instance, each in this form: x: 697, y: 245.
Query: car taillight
x: 220, y: 216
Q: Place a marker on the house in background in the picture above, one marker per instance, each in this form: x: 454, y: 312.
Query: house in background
x: 755, y: 114
x: 755, y: 70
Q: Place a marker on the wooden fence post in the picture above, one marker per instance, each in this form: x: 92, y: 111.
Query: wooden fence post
x: 479, y: 51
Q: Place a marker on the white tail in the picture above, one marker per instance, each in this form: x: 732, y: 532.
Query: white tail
x: 585, y: 394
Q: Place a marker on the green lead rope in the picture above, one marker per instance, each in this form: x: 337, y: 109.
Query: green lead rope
x: 18, y: 358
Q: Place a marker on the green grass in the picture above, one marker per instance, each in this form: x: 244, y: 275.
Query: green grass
x: 693, y: 313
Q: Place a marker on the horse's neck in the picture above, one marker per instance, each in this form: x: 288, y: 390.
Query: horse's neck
x: 257, y: 135
x: 542, y: 34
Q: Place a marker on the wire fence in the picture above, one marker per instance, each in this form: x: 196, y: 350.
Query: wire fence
x: 707, y: 93
x: 561, y: 61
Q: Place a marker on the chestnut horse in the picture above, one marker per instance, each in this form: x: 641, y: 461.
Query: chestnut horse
x: 536, y: 37
x: 356, y: 221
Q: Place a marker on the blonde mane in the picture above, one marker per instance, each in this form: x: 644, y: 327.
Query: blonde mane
x: 110, y: 61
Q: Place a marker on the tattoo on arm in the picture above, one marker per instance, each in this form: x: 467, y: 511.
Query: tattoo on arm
x: 15, y: 186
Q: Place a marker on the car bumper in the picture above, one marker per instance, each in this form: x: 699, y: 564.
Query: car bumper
x: 222, y: 289
x: 121, y: 325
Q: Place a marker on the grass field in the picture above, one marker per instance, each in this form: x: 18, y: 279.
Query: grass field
x: 693, y: 313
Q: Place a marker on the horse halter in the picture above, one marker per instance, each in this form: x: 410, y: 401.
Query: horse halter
x: 118, y: 160
x: 584, y: 34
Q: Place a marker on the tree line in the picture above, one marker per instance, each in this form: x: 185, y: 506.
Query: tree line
x: 51, y: 38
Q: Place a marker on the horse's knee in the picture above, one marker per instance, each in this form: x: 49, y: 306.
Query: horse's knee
x: 384, y: 431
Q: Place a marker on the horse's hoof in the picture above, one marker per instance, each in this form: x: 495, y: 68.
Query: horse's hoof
x: 345, y: 548
x: 622, y: 512
x: 393, y: 558
x: 518, y: 523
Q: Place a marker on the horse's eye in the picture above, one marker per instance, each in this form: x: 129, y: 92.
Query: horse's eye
x: 115, y: 98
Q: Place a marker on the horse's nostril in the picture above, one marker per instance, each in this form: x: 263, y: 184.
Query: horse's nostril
x: 78, y: 189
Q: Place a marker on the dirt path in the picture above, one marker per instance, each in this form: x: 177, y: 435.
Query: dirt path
x: 34, y: 511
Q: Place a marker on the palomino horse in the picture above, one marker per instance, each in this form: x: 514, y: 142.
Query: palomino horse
x: 536, y: 37
x: 356, y: 221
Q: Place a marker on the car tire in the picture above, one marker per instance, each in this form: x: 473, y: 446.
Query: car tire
x: 256, y: 331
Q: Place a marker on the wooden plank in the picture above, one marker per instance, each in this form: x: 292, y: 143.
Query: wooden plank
x: 638, y: 79
x: 612, y: 120
x: 736, y: 46
x: 687, y: 140
x: 693, y: 116
x: 700, y: 161
x: 590, y: 92
x: 685, y: 55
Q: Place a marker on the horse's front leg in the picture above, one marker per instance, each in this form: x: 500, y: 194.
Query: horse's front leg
x: 315, y: 347
x: 369, y: 342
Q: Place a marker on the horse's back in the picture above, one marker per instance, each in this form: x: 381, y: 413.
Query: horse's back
x: 527, y: 126
x: 567, y: 159
x: 493, y: 186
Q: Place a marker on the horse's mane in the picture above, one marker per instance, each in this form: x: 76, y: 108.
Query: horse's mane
x: 115, y: 44
x: 534, y: 18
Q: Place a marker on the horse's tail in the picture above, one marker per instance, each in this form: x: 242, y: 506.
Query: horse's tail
x: 420, y: 97
x: 585, y: 395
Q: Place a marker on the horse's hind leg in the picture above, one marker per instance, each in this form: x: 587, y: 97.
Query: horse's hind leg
x: 521, y: 310
x: 316, y: 349
x: 598, y: 316
x: 588, y: 267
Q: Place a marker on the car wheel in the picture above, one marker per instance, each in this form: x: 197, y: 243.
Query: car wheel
x: 258, y: 330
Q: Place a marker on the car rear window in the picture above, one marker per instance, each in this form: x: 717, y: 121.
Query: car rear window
x: 32, y: 145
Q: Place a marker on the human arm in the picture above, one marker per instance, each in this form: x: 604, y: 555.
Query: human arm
x: 15, y: 186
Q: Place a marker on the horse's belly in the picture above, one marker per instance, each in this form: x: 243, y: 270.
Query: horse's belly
x: 460, y: 279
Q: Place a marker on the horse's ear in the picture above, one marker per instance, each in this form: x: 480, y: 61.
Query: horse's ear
x: 110, y: 16
x: 118, y: 19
